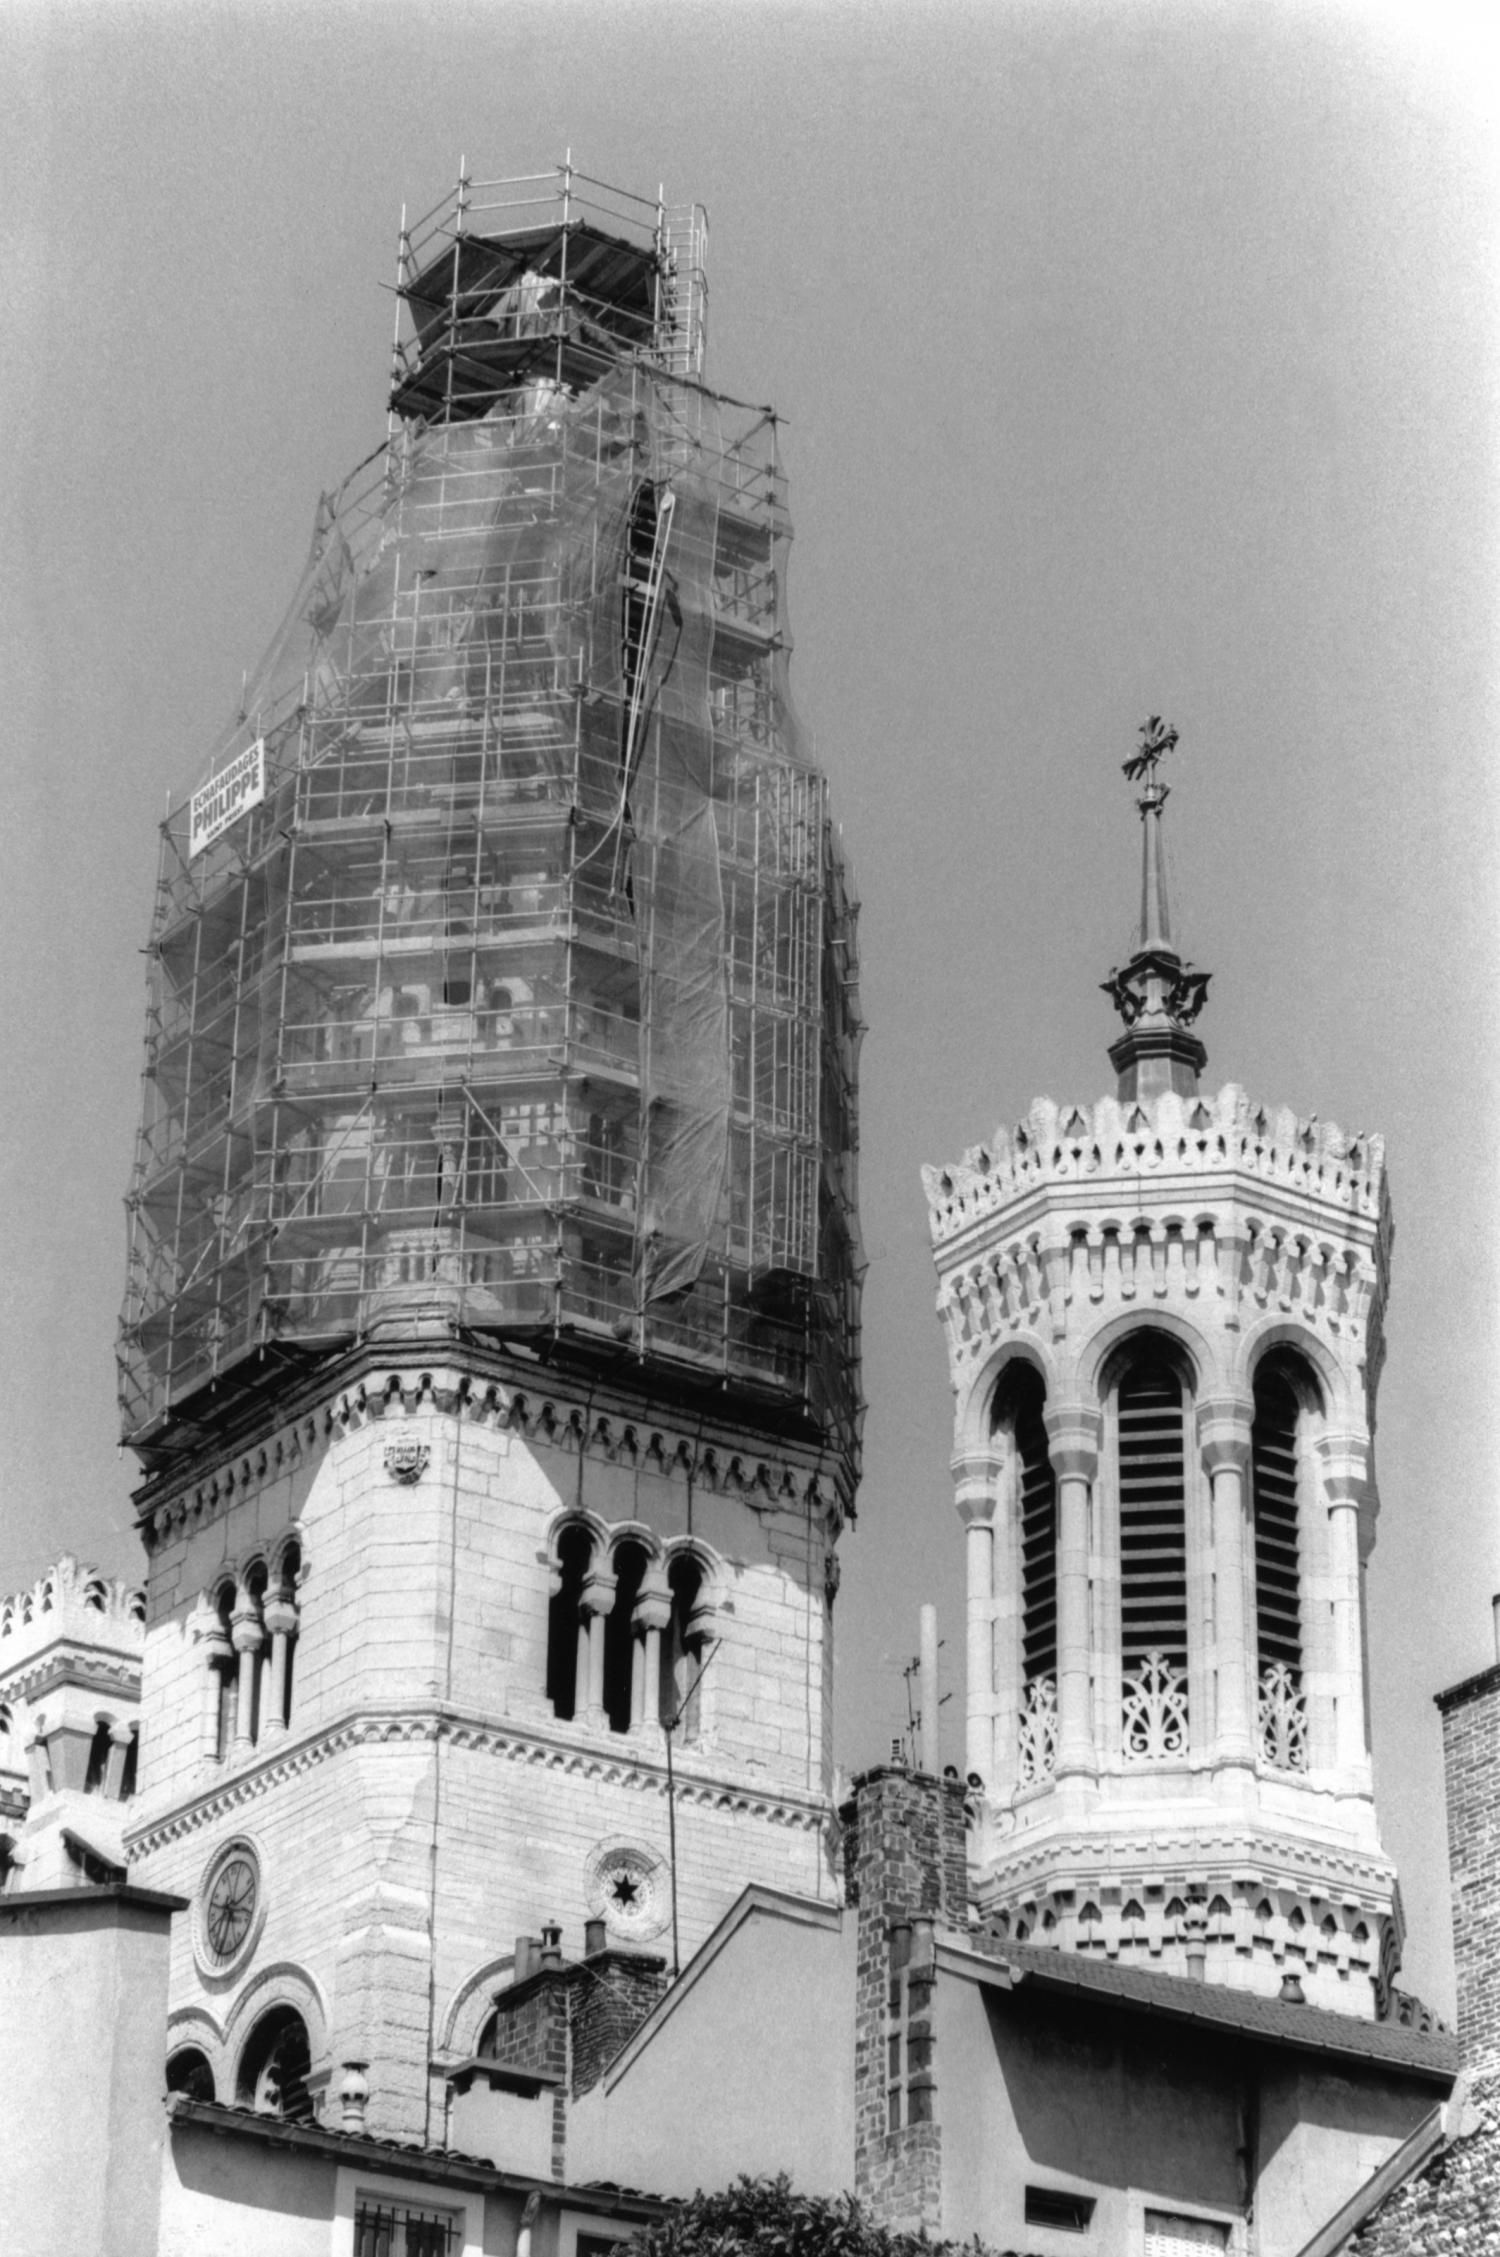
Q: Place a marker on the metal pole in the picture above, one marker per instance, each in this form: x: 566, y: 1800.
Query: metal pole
x: 669, y: 1729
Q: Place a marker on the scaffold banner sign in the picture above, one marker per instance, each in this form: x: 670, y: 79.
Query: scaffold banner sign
x: 226, y: 797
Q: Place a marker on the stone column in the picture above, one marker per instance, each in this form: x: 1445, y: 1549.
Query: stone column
x: 1224, y: 1423
x: 280, y: 1617
x: 595, y: 1602
x: 121, y: 1733
x: 247, y: 1637
x: 219, y: 1665
x: 975, y: 1483
x: 1073, y: 1434
x: 1344, y: 1462
x: 653, y: 1611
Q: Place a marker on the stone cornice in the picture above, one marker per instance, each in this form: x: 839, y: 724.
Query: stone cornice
x: 67, y: 1662
x: 1311, y: 1866
x: 711, y: 1456
x: 1166, y: 1136
x: 515, y: 1743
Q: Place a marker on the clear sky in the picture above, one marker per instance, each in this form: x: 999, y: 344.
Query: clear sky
x: 1136, y: 358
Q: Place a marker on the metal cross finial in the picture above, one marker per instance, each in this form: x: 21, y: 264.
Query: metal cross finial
x: 1157, y: 737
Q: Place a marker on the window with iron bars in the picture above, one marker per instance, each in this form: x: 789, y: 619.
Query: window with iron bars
x: 400, y: 2229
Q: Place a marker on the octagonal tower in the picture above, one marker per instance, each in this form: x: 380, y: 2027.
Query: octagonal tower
x: 1163, y: 1316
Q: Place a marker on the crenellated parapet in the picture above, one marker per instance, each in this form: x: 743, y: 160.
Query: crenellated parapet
x: 71, y: 1605
x: 1151, y: 1138
x: 1229, y: 1219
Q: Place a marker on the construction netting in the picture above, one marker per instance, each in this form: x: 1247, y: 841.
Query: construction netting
x: 503, y: 968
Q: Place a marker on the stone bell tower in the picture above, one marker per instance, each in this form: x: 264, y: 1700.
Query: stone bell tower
x: 1163, y: 1316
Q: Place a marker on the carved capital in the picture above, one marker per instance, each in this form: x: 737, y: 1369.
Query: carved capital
x: 1224, y: 1423
x: 280, y: 1617
x: 246, y: 1632
x: 598, y: 1593
x: 975, y: 1486
x: 653, y: 1608
x: 1074, y: 1431
x: 1344, y: 1461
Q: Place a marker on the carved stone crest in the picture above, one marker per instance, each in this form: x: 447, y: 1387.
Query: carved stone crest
x: 406, y: 1460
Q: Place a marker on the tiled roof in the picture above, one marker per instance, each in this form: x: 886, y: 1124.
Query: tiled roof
x: 435, y: 2163
x: 1425, y: 2053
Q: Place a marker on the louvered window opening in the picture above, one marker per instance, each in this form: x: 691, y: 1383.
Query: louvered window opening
x: 1273, y: 1460
x: 1153, y: 1525
x: 1038, y: 1486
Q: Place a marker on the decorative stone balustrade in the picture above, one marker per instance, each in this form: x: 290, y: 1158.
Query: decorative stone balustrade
x: 1164, y: 1136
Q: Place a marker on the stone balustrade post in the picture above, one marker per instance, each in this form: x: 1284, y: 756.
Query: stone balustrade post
x: 975, y: 1484
x: 1073, y: 1436
x: 1224, y: 1424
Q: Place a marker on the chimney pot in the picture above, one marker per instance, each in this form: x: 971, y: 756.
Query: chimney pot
x: 594, y: 1932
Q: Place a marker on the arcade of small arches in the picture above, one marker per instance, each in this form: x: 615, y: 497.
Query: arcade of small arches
x: 249, y: 1640
x: 270, y: 2071
x: 630, y: 1626
x: 1134, y: 1600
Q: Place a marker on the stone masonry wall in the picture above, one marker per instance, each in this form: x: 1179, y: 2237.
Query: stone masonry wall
x: 905, y: 1844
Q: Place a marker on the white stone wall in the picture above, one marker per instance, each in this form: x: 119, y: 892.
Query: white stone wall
x: 424, y: 1806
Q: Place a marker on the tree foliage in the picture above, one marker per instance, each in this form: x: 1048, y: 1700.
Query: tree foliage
x: 764, y: 2218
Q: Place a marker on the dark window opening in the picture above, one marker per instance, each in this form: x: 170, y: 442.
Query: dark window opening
x: 1153, y: 1512
x: 682, y: 1649
x: 1019, y: 1407
x: 275, y: 2066
x: 574, y: 1550
x: 98, y: 1766
x: 621, y: 1646
x: 1278, y: 1581
x: 1054, y: 2206
x: 188, y: 2072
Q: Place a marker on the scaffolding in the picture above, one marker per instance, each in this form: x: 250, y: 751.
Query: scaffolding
x: 503, y: 969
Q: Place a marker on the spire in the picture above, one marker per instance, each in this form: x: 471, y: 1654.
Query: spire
x: 1157, y: 994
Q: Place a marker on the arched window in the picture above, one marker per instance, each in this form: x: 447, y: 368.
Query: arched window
x: 1275, y: 1473
x: 131, y: 1767
x: 1151, y: 1457
x: 1019, y: 1404
x: 682, y: 1648
x: 565, y: 1647
x: 189, y: 2072
x: 623, y: 1650
x: 275, y: 2065
x: 250, y: 1649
